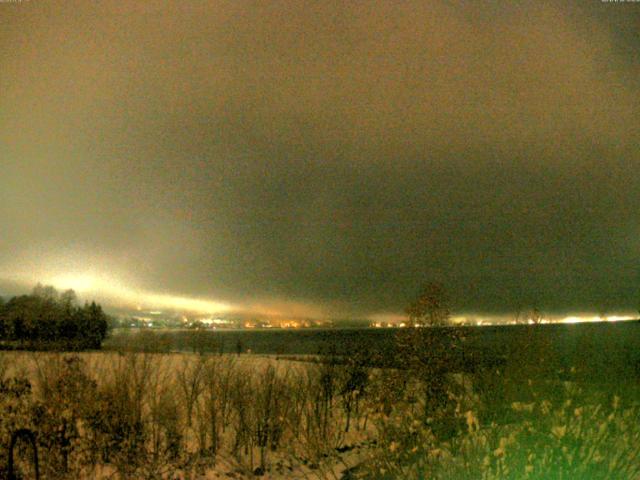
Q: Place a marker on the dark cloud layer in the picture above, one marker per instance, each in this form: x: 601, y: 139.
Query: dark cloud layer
x: 335, y: 154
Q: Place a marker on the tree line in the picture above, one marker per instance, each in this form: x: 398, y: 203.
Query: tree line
x: 49, y: 318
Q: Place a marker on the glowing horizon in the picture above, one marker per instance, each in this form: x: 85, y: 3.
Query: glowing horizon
x: 116, y: 293
x: 114, y: 290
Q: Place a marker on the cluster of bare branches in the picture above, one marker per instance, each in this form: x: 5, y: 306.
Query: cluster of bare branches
x: 140, y: 415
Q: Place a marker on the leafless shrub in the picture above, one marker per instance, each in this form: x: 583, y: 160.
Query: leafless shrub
x: 15, y: 403
x: 271, y: 404
x: 128, y: 418
x: 319, y: 434
x: 426, y: 351
x: 190, y: 376
x: 209, y: 409
x: 66, y: 391
x: 353, y: 378
x: 241, y: 402
x: 164, y: 430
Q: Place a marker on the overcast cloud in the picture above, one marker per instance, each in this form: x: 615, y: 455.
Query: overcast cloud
x: 325, y: 158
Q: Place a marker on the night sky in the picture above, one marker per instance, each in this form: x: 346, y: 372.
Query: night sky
x: 323, y: 158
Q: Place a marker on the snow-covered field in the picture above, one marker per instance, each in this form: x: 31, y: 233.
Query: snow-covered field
x: 189, y: 416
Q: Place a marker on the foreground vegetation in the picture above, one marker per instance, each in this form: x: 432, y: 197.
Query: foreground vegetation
x: 144, y: 415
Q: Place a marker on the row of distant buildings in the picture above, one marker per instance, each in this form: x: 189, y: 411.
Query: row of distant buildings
x: 160, y: 319
x: 175, y: 320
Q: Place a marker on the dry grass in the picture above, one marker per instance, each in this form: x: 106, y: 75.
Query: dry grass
x: 187, y: 416
x: 141, y: 415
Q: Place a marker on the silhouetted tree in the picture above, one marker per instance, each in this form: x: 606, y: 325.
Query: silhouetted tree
x: 520, y: 317
x: 427, y: 350
x: 431, y: 308
x: 536, y: 316
x: 68, y: 300
x: 45, y: 316
x: 45, y: 292
x: 93, y: 326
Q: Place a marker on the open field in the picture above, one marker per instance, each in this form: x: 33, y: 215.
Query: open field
x: 527, y: 410
x: 588, y: 351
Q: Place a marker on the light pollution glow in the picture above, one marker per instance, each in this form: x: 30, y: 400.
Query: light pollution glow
x: 87, y: 284
x: 112, y: 290
x: 115, y: 292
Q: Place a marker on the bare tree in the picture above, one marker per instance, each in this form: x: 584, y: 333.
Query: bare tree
x: 520, y: 316
x: 190, y: 376
x: 431, y: 308
x: 427, y: 354
x: 536, y: 316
